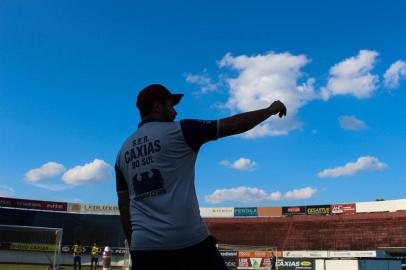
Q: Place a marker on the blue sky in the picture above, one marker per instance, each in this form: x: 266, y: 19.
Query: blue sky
x: 70, y: 73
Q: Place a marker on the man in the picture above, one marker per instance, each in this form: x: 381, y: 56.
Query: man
x: 94, y: 256
x: 77, y: 253
x: 273, y: 261
x: 155, y: 182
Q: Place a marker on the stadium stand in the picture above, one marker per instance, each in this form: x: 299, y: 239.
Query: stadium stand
x: 318, y: 235
x: 301, y: 231
x: 367, y: 231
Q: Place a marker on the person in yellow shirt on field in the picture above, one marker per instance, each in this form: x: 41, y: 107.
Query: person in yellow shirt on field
x: 77, y: 255
x: 94, y: 256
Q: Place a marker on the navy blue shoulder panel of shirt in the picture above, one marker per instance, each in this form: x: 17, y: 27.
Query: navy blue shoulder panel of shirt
x: 198, y: 132
x: 121, y: 184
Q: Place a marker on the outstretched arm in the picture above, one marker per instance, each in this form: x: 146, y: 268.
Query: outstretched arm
x: 243, y: 122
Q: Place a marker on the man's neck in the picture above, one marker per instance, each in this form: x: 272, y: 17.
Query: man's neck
x: 148, y: 119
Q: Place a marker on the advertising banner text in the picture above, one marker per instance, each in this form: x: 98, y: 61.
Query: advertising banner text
x: 245, y: 212
x: 33, y: 204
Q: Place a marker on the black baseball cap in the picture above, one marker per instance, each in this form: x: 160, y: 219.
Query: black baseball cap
x: 155, y: 92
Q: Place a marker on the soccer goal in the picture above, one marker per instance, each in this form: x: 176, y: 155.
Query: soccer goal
x: 32, y: 244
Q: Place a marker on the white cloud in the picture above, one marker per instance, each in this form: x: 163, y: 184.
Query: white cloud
x: 265, y: 78
x: 351, y: 123
x: 242, y: 164
x: 273, y: 128
x: 203, y: 81
x: 51, y: 187
x: 394, y: 74
x: 6, y: 191
x: 363, y: 163
x: 97, y: 170
x: 256, y: 195
x: 242, y: 194
x: 300, y: 194
x: 352, y: 76
x: 47, y: 170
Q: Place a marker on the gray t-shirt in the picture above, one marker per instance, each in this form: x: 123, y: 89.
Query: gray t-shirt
x: 156, y: 166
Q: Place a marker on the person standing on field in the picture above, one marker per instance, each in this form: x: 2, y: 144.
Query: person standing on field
x: 155, y: 175
x: 77, y: 255
x: 273, y: 261
x: 94, y: 256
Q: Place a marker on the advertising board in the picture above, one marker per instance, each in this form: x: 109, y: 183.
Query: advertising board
x: 88, y: 249
x: 341, y: 264
x: 342, y: 209
x: 33, y: 247
x: 295, y: 264
x: 352, y: 254
x: 318, y: 210
x: 230, y: 258
x: 269, y: 211
x: 98, y: 209
x: 33, y: 204
x: 381, y: 206
x: 217, y: 212
x: 245, y: 212
x: 258, y: 253
x: 4, y: 245
x: 293, y: 210
x: 254, y: 263
x: 305, y: 254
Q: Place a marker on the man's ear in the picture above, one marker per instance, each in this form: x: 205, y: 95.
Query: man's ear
x: 157, y: 106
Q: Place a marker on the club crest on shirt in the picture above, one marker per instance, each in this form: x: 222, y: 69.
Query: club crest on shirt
x: 148, y: 184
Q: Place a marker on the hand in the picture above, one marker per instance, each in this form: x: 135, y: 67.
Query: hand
x: 278, y: 107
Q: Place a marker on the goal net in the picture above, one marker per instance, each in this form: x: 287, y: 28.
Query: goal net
x: 32, y: 244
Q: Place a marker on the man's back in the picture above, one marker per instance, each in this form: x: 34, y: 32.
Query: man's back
x: 157, y: 162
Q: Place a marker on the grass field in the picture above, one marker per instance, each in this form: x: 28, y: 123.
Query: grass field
x: 42, y: 267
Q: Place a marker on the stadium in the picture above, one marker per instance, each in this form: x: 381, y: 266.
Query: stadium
x: 361, y: 235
